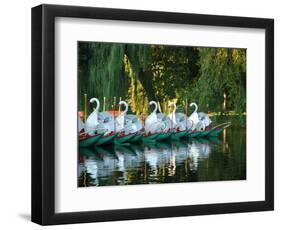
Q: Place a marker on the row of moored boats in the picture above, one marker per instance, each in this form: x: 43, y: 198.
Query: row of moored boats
x: 102, y: 128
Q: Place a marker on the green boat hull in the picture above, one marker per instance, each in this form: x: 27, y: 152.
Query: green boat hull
x: 89, y: 141
x: 106, y: 139
x: 151, y: 137
x: 204, y: 133
x: 215, y: 133
x: 194, y: 134
x: 178, y: 135
x: 136, y: 138
x: 124, y: 139
x: 163, y: 136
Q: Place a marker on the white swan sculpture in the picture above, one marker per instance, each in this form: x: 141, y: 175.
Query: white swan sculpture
x: 92, y: 121
x: 99, y: 121
x: 120, y: 120
x: 200, y: 120
x: 127, y: 123
x: 194, y: 116
x: 179, y: 120
x: 132, y: 124
x: 154, y: 122
x: 204, y: 118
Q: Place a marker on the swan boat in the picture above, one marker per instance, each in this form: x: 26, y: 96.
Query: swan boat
x: 157, y: 125
x: 180, y: 123
x: 102, y: 128
x: 128, y: 126
x: 99, y: 127
x: 87, y: 138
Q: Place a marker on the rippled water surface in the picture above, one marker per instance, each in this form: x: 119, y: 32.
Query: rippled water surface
x: 190, y: 160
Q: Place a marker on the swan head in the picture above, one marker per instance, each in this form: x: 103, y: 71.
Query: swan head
x: 92, y: 100
x: 123, y: 103
x: 193, y: 104
x: 126, y: 106
x: 152, y: 102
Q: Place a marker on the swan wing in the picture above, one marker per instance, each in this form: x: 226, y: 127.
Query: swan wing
x: 151, y: 119
x: 204, y: 118
x: 120, y: 121
x: 200, y: 126
x: 155, y: 127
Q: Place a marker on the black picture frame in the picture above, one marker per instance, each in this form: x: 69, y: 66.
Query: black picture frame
x: 43, y: 113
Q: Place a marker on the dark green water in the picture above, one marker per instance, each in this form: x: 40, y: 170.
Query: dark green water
x: 191, y: 160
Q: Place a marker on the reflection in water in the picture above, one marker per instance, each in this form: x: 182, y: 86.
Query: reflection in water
x: 165, y: 162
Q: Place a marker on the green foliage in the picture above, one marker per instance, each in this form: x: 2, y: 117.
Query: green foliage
x: 101, y: 73
x: 215, y: 78
x: 173, y: 70
x: 221, y: 79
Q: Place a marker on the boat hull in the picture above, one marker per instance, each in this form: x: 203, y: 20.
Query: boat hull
x: 204, y: 133
x: 136, y: 138
x: 88, y: 142
x: 178, y: 135
x: 151, y: 137
x: 123, y: 139
x: 108, y: 139
x: 193, y: 134
x: 164, y: 136
x: 216, y: 132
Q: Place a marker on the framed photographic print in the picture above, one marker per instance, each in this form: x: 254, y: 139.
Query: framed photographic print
x: 141, y: 114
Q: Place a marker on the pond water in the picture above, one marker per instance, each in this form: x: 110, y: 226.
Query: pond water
x: 191, y: 160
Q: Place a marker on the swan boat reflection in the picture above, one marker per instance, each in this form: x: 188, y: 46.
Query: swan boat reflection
x: 151, y: 162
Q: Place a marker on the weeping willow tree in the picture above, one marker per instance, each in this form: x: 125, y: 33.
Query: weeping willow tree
x: 215, y: 78
x: 101, y: 71
x: 115, y: 70
x: 137, y: 68
x: 221, y: 82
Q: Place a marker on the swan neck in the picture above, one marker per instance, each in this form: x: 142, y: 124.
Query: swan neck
x: 196, y: 107
x: 126, y: 107
x: 175, y: 107
x: 156, y: 107
x: 98, y: 104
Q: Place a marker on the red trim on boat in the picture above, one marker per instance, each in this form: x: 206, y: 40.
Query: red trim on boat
x: 86, y: 136
x: 124, y: 135
x: 110, y: 134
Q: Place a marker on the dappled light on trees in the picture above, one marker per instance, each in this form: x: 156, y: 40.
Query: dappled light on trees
x: 215, y: 78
